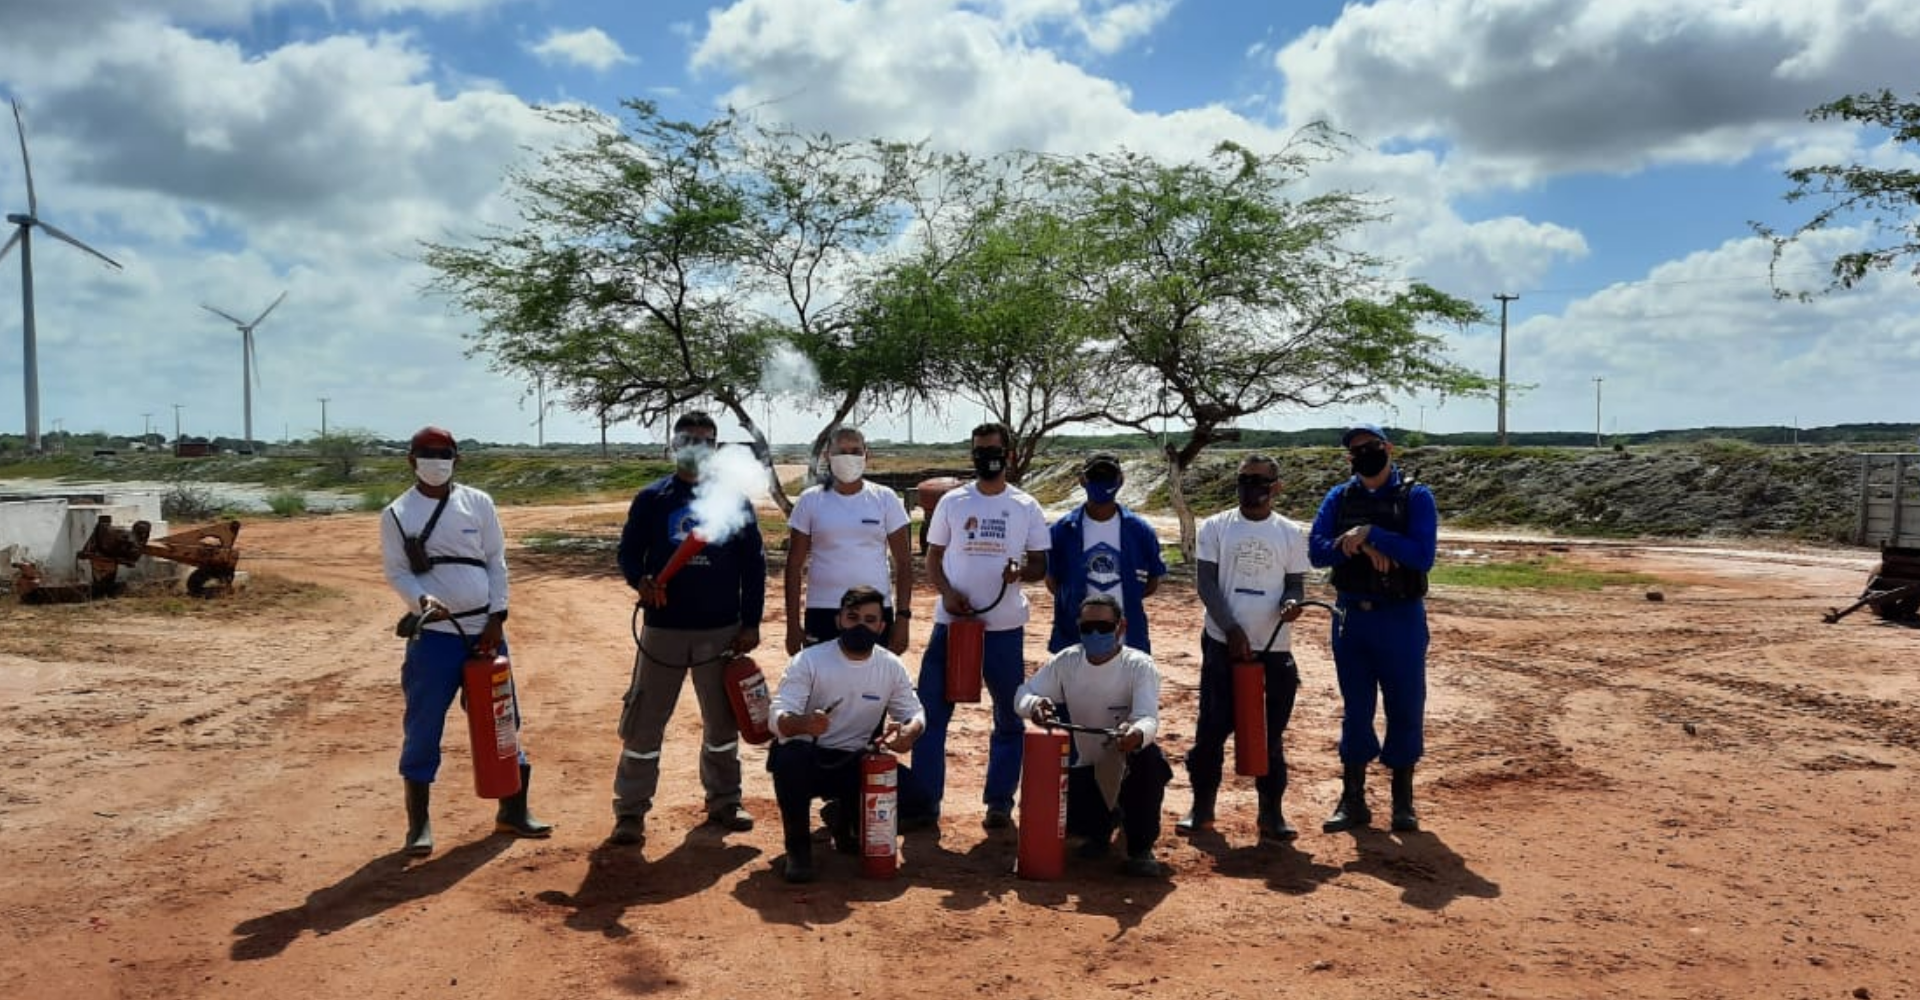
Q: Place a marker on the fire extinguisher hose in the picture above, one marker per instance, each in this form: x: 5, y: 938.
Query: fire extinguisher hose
x: 1339, y: 621
x: 633, y: 626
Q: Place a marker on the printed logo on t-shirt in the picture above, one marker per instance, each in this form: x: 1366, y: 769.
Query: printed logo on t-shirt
x: 986, y: 536
x: 681, y: 523
x: 1103, y: 566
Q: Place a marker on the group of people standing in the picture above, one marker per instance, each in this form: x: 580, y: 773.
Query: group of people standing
x: 849, y: 583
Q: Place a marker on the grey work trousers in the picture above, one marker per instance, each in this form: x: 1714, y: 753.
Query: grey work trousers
x: 660, y: 668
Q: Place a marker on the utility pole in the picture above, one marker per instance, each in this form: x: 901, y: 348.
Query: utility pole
x: 323, y: 415
x: 1504, y: 299
x: 146, y: 426
x: 1596, y: 409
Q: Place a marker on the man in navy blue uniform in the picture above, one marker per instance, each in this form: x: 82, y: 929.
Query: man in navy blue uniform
x: 1378, y: 531
x: 711, y: 613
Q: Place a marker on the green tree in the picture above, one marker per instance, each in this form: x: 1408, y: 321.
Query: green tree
x: 1017, y: 338
x: 1886, y: 200
x: 1235, y: 300
x: 661, y: 264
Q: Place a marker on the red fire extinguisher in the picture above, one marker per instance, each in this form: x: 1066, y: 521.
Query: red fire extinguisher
x: 1250, y: 703
x: 967, y: 650
x: 879, y: 814
x: 966, y: 658
x: 747, y: 693
x: 1250, y: 718
x: 487, y: 680
x: 1043, y: 806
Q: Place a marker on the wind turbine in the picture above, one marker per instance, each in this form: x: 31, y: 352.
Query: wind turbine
x: 249, y: 375
x: 23, y: 235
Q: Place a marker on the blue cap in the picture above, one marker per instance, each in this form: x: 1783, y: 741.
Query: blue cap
x: 1346, y: 439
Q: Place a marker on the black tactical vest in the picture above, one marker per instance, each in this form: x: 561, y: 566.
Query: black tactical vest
x: 1389, y: 511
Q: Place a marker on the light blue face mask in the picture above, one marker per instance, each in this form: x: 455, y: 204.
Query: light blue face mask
x: 1099, y: 644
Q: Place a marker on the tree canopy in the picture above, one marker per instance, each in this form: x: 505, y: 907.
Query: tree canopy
x: 1885, y: 199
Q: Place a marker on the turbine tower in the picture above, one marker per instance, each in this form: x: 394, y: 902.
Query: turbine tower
x: 249, y: 375
x: 23, y: 236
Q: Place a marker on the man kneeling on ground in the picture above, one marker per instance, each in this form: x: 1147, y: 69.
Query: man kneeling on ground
x: 1101, y: 683
x: 833, y: 701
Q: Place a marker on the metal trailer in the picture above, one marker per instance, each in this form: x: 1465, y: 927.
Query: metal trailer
x: 1889, y: 517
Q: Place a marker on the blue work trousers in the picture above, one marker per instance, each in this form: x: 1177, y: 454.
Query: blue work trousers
x: 1003, y: 672
x: 1380, y: 658
x: 430, y: 679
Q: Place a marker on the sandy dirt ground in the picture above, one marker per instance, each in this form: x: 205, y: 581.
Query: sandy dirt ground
x: 1708, y: 796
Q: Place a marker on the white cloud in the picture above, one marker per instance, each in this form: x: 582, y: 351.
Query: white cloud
x: 1533, y: 87
x: 589, y: 47
x: 1702, y: 341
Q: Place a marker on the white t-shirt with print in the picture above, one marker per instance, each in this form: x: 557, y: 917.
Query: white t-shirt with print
x: 848, y: 532
x: 1100, y: 548
x: 980, y: 535
x: 1255, y: 558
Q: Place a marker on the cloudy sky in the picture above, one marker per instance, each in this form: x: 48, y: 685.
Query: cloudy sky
x: 1601, y: 159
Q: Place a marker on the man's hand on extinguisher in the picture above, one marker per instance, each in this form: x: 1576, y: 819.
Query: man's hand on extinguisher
x: 1239, y: 648
x: 747, y: 641
x: 432, y: 608
x: 1043, y: 711
x: 649, y: 594
x: 956, y: 603
x: 1129, y: 738
x: 899, y: 738
x: 490, y: 636
x: 1011, y: 572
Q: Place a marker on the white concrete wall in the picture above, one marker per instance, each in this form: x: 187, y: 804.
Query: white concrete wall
x: 51, y: 532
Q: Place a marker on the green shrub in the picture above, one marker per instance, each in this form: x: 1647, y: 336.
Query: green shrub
x: 375, y: 499
x: 287, y: 503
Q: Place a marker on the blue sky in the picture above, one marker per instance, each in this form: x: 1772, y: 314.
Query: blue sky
x: 1601, y: 160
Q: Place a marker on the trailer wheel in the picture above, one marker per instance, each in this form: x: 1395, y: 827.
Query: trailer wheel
x: 204, y: 581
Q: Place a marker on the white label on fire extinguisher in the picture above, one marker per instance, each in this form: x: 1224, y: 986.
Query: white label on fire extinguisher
x: 506, y: 738
x: 880, y: 816
x: 759, y: 702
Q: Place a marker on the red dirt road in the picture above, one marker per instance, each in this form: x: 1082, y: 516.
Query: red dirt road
x: 1709, y: 796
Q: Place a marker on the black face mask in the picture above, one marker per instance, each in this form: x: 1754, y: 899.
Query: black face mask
x: 1254, y: 490
x: 990, y: 463
x: 858, y: 639
x: 1369, y: 460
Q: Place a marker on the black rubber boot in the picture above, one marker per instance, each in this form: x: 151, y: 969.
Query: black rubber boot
x: 1405, y: 820
x: 799, y: 868
x: 514, y: 817
x: 419, y: 831
x: 1273, y: 825
x: 1352, y: 810
x: 1199, y: 819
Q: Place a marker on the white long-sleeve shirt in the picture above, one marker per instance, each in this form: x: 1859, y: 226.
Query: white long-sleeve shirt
x: 862, y: 693
x: 1125, y: 689
x: 468, y: 528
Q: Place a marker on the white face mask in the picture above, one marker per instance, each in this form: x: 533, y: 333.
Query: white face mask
x: 433, y: 471
x: 847, y: 468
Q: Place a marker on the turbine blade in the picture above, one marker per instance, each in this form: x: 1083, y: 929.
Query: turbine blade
x: 276, y: 305
x: 229, y: 317
x: 33, y: 203
x: 57, y: 234
x: 11, y: 240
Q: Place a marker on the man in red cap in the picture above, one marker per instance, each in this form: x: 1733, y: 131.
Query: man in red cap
x: 445, y: 555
